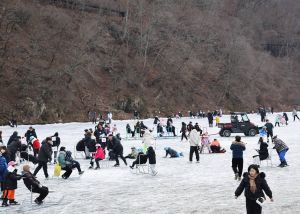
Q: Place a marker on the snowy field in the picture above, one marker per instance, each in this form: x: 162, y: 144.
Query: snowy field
x: 179, y: 187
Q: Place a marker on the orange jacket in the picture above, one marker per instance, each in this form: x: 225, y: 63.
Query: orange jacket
x: 215, y: 143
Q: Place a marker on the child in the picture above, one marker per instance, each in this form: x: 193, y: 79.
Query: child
x: 99, y: 155
x: 10, y: 184
x: 34, y: 185
x: 263, y: 132
x: 152, y: 160
x: 254, y: 184
x: 277, y: 120
x: 205, y: 143
x: 237, y: 148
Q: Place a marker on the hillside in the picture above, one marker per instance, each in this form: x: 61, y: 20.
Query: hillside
x: 61, y: 58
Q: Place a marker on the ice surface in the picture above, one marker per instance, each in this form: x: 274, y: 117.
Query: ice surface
x: 179, y: 187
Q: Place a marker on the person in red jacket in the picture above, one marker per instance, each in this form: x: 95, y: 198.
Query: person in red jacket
x: 98, y: 156
x: 36, y: 145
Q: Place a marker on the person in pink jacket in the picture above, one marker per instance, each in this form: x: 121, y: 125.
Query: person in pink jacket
x: 205, y: 142
x: 98, y: 156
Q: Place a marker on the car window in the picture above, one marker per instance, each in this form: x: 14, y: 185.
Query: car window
x: 245, y: 118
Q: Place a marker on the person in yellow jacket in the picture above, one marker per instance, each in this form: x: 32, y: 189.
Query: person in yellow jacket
x: 218, y: 120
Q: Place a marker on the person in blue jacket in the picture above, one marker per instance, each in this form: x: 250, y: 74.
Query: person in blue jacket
x: 3, y: 169
x: 172, y: 153
x: 237, y: 147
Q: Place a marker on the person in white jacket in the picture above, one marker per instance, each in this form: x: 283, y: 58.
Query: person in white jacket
x: 147, y: 140
x: 194, y: 139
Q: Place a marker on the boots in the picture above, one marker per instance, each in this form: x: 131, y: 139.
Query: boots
x: 4, y: 203
x: 13, y: 202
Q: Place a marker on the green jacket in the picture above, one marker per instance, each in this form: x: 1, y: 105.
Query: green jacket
x: 62, y: 159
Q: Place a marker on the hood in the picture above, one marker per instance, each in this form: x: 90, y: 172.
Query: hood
x: 261, y: 175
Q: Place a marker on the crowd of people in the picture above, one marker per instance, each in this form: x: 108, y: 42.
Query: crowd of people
x: 103, y: 143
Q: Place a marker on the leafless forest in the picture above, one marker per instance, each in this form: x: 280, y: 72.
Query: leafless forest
x: 62, y: 58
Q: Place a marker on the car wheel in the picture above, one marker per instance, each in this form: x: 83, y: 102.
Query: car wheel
x: 226, y: 133
x: 252, y: 132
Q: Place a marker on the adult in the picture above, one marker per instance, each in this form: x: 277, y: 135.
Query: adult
x: 194, y: 144
x: 281, y: 149
x: 286, y: 118
x: 12, y: 138
x: 129, y: 131
x: 210, y: 118
x: 255, y: 185
x: 1, y: 141
x: 109, y: 117
x: 156, y: 120
x: 170, y: 127
x: 13, y: 148
x: 30, y: 132
x: 34, y: 185
x: 263, y: 152
x: 215, y: 146
x: 117, y: 149
x: 173, y: 153
x: 99, y: 134
x: 295, y: 114
x: 44, y: 156
x: 55, y: 145
x: 190, y: 126
x: 183, y: 131
x: 147, y: 140
x: 67, y: 163
x: 237, y: 148
x: 197, y: 127
x: 262, y: 114
x: 269, y: 127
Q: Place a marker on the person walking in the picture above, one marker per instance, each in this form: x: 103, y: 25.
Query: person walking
x: 194, y: 144
x: 44, y: 156
x: 254, y: 185
x: 237, y: 148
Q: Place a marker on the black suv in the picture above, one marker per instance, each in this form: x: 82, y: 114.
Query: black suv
x: 240, y: 123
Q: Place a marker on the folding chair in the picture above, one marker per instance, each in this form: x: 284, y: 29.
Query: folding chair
x: 269, y: 159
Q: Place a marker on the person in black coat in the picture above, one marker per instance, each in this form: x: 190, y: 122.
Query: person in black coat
x: 30, y: 132
x: 141, y: 159
x: 26, y: 156
x: 156, y: 120
x: 286, y: 118
x: 13, y: 148
x: 255, y: 185
x: 152, y: 160
x: 210, y: 118
x: 12, y: 138
x: 10, y: 184
x: 197, y: 127
x: 99, y: 133
x: 129, y: 131
x: 44, y: 156
x: 34, y: 185
x: 1, y: 141
x: 263, y: 152
x: 55, y: 145
x: 190, y: 127
x: 117, y: 149
x: 269, y: 127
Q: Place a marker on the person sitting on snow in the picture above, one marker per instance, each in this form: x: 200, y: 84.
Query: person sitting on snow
x: 172, y: 153
x: 216, y: 147
x: 34, y: 185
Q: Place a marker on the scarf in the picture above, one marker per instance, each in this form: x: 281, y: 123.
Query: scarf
x: 252, y: 183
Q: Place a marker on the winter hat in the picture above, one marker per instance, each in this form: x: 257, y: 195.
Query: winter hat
x: 11, y: 163
x: 98, y: 145
x: 166, y: 148
x: 132, y: 148
x: 62, y: 148
x: 26, y: 168
x: 56, y: 134
x: 255, y: 167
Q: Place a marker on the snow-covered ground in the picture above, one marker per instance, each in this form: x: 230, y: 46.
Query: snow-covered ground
x: 179, y: 187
